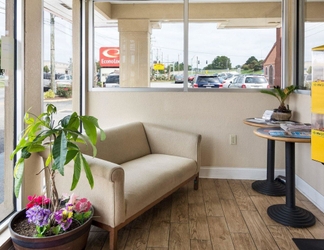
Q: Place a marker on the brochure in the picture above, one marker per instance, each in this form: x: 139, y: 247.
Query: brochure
x: 295, y: 134
x: 296, y: 127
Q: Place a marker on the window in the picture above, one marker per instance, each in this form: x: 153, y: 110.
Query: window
x: 58, y: 63
x: 6, y: 74
x: 313, y: 37
x: 152, y: 52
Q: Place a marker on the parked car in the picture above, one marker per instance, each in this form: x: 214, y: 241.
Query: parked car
x: 206, y: 81
x: 112, y: 81
x: 227, y: 75
x: 191, y: 78
x: 250, y: 82
x: 64, y: 81
x: 178, y: 79
x: 229, y: 81
x: 46, y: 84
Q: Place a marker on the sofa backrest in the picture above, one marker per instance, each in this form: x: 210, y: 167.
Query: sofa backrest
x: 122, y: 144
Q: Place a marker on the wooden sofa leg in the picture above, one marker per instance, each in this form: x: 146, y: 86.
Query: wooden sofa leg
x: 113, y: 239
x: 196, y: 183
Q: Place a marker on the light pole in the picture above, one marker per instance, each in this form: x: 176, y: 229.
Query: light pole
x: 192, y: 64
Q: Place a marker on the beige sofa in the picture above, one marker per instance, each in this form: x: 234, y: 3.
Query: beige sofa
x: 137, y: 166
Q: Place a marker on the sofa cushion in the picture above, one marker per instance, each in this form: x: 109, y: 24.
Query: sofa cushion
x: 123, y: 143
x: 152, y: 176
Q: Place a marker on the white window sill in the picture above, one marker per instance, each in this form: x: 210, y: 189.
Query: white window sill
x: 4, y: 237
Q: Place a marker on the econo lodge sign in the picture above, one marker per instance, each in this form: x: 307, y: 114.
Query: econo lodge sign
x: 109, y: 57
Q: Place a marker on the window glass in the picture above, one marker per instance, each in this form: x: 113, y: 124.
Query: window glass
x: 150, y: 52
x: 235, y: 41
x: 167, y: 64
x: 57, y: 66
x: 223, y: 43
x: 2, y: 108
x: 106, y: 52
x: 314, y: 38
x: 6, y: 190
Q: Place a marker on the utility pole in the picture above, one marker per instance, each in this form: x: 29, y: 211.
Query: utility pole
x: 53, y: 83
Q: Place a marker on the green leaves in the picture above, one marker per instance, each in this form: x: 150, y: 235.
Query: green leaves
x: 59, y: 152
x: 280, y: 94
x: 81, y: 162
x: 61, y: 139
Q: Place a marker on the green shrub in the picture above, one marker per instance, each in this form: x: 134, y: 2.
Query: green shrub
x: 64, y: 92
x: 49, y: 94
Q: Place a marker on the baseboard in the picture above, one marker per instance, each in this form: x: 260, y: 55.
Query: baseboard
x: 315, y: 197
x: 236, y: 173
x: 261, y: 174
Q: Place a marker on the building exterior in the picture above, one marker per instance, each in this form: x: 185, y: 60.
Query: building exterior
x: 272, y: 63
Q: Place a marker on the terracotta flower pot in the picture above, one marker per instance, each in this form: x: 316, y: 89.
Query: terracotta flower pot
x: 75, y: 239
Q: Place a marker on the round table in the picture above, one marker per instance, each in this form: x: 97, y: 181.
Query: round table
x: 270, y: 186
x: 288, y: 214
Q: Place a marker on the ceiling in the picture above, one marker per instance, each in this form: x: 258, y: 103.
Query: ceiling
x: 63, y: 9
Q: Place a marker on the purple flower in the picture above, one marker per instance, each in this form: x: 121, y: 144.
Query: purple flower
x: 64, y: 217
x: 38, y: 215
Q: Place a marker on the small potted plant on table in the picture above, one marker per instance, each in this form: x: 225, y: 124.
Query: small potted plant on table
x: 282, y: 112
x: 55, y: 219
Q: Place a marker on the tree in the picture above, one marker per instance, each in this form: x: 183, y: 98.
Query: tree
x: 46, y: 69
x: 98, y: 65
x: 251, y: 59
x: 220, y: 62
x: 253, y: 64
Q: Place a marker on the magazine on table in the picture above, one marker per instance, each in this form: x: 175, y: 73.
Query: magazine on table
x: 296, y: 134
x: 304, y: 127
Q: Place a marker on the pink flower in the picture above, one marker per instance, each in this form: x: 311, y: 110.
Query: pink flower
x: 82, y: 205
x: 37, y: 200
x: 72, y: 199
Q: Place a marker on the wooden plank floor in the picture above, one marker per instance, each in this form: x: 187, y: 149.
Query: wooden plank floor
x: 222, y: 214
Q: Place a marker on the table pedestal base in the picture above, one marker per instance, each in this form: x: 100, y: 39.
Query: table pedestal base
x: 272, y: 188
x: 294, y: 217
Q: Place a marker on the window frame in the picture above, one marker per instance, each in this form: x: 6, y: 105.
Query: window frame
x: 185, y: 58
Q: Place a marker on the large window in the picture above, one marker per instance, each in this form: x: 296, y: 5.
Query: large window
x: 154, y: 44
x: 314, y: 37
x: 6, y: 73
x: 2, y: 88
x: 58, y: 63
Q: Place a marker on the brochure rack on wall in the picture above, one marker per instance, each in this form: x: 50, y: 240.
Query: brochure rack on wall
x: 317, y: 135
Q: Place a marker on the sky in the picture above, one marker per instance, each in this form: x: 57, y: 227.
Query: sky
x: 2, y: 18
x: 63, y: 39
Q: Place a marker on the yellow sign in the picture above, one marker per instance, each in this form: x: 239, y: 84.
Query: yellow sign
x: 158, y: 66
x: 317, y: 139
x: 318, y: 97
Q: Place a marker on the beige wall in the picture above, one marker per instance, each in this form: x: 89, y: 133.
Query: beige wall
x: 215, y: 115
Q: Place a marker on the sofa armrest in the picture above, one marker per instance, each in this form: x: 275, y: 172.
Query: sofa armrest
x: 107, y: 195
x: 163, y: 140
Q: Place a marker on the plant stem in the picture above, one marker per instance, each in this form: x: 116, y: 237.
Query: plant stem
x: 54, y: 195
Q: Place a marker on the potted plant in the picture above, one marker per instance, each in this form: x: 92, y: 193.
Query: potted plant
x: 282, y: 112
x: 54, y: 215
